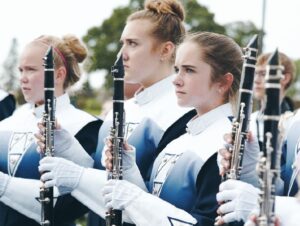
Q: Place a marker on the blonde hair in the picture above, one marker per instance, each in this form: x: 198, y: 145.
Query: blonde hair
x: 167, y: 17
x: 285, y: 61
x: 68, y: 52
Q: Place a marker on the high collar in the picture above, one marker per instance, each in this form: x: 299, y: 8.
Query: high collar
x: 146, y: 95
x: 200, y: 123
x: 63, y: 100
x: 3, y: 94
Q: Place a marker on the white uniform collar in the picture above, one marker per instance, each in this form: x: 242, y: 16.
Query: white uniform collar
x: 63, y: 100
x: 154, y: 91
x: 3, y: 94
x: 200, y: 123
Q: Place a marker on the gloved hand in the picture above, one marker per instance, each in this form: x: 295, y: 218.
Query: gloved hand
x: 4, y: 179
x: 128, y: 154
x: 131, y: 172
x: 118, y: 194
x: 250, y: 158
x: 239, y: 199
x: 59, y: 172
x: 65, y: 146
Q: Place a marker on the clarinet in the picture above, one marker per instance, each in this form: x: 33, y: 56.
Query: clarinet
x: 46, y: 194
x: 240, y: 123
x: 113, y: 216
x: 269, y: 162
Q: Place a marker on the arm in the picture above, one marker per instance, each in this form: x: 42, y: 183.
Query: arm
x: 141, y: 207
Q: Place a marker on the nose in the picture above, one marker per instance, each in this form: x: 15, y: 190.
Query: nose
x: 178, y: 81
x: 23, y: 78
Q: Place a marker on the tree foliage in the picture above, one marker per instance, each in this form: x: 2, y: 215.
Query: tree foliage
x: 9, y: 75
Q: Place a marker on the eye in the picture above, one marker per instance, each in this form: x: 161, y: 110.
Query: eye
x: 189, y: 70
x: 176, y: 69
x: 132, y: 43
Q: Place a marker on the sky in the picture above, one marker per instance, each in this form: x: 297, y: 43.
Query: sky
x: 28, y: 19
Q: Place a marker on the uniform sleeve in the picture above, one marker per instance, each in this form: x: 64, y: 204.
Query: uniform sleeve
x: 7, y: 106
x: 67, y: 208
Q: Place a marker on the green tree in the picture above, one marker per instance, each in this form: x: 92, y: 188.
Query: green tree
x: 241, y: 31
x: 9, y: 76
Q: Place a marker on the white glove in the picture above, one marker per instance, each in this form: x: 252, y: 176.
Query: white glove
x: 240, y: 200
x: 4, y: 179
x: 59, y: 172
x: 118, y: 194
x: 131, y: 171
x: 66, y: 146
x: 250, y: 159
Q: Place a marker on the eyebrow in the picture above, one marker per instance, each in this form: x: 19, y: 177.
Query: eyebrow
x: 189, y: 66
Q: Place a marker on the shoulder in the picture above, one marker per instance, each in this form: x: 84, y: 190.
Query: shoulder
x: 74, y: 119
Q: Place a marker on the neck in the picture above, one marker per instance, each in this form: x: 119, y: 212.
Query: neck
x: 161, y: 74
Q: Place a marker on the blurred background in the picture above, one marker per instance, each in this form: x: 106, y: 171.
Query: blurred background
x: 99, y: 24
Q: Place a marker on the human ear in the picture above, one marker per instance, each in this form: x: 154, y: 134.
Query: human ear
x: 167, y: 50
x: 286, y: 79
x: 226, y: 82
x: 60, y: 75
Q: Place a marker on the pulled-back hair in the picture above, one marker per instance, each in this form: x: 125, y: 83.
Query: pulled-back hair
x: 68, y: 52
x: 167, y: 17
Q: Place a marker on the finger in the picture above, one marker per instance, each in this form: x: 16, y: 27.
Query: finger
x: 57, y: 124
x: 219, y: 220
x: 45, y: 167
x: 126, y: 146
x: 41, y: 145
x: 225, y: 153
x: 108, y: 205
x: 39, y: 137
x: 250, y: 137
x: 230, y: 217
x: 230, y: 185
x: 50, y: 183
x: 225, y: 164
x: 47, y: 176
x: 108, y: 165
x: 108, y: 154
x: 108, y: 142
x: 41, y: 127
x: 226, y: 208
x: 227, y: 195
x: 228, y: 138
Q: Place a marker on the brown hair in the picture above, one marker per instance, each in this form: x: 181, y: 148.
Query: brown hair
x: 167, y: 17
x: 68, y: 52
x: 289, y: 66
x: 223, y: 55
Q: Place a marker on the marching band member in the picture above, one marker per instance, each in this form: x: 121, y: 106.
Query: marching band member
x: 19, y: 174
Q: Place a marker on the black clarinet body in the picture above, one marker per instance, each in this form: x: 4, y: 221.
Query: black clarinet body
x: 46, y: 194
x: 244, y: 108
x: 269, y: 163
x: 114, y: 217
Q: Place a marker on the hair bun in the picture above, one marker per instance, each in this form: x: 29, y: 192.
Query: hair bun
x: 78, y: 49
x: 173, y: 7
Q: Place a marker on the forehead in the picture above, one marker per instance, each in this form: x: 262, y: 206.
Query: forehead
x: 188, y: 52
x: 33, y: 52
x: 137, y: 29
